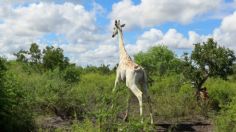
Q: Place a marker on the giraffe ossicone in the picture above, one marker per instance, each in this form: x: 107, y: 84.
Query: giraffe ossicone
x: 131, y: 73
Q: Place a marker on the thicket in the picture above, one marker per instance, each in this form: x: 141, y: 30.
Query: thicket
x: 15, y: 111
x: 40, y: 86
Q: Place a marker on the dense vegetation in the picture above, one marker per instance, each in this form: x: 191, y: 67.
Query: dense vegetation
x: 43, y: 91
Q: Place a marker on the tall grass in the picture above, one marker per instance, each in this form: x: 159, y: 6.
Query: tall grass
x: 89, y: 104
x: 222, y: 94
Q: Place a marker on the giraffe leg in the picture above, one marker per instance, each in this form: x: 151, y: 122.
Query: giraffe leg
x: 138, y: 94
x: 116, y: 81
x: 150, y: 107
x: 113, y: 90
x: 149, y: 101
x: 127, y: 108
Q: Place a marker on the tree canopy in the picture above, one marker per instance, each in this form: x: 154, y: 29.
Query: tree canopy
x: 35, y: 53
x: 208, y: 60
x: 50, y: 58
x: 158, y: 60
x: 21, y: 56
x: 54, y: 57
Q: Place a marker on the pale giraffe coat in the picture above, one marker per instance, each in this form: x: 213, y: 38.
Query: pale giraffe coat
x: 130, y: 72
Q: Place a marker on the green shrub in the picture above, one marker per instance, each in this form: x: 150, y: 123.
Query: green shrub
x: 84, y: 126
x: 221, y: 92
x: 72, y: 74
x: 15, y: 111
x: 92, y: 106
x: 226, y: 120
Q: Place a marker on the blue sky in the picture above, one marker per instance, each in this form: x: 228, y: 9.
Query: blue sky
x: 202, y: 26
x: 83, y: 28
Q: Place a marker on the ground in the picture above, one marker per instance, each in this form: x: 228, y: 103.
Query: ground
x: 194, y: 125
x: 188, y: 125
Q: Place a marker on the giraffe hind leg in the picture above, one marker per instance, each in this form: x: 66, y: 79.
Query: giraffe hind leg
x: 147, y: 96
x: 138, y: 94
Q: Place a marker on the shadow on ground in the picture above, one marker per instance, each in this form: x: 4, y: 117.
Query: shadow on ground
x: 184, y: 127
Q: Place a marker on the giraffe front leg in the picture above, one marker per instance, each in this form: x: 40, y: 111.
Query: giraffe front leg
x: 127, y: 108
x: 114, y: 88
x: 116, y: 81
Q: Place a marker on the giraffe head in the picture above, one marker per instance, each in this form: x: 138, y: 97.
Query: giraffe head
x: 117, y: 27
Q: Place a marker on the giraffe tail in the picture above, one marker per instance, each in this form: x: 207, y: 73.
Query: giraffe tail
x: 145, y: 79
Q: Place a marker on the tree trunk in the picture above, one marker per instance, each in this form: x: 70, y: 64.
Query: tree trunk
x: 199, y: 86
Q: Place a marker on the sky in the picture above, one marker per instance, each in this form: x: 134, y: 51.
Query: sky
x: 83, y: 28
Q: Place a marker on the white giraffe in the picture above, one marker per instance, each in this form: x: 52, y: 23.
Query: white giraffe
x: 134, y: 75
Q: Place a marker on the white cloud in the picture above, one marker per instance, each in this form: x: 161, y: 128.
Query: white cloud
x: 152, y: 12
x: 228, y: 23
x: 85, y: 44
x: 104, y: 54
x: 23, y: 25
x: 35, y: 1
x: 226, y: 33
x: 172, y: 38
x: 88, y: 45
x: 104, y: 51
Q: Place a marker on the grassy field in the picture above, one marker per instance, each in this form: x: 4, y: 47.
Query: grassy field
x: 46, y: 101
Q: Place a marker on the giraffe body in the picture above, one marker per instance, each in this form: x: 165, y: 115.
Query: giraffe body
x: 132, y: 74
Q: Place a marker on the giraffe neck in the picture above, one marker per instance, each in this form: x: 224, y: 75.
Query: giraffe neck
x: 123, y: 54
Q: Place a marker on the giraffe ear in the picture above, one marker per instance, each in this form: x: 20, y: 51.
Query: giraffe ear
x: 122, y: 25
x: 116, y: 23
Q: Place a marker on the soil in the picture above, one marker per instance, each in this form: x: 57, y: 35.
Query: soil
x: 188, y: 125
x: 182, y: 124
x: 185, y: 126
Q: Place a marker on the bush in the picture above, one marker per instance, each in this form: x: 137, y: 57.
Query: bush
x: 15, y: 112
x: 55, y: 93
x: 221, y: 92
x: 225, y: 122
x: 84, y: 126
x: 72, y: 74
x: 173, y: 99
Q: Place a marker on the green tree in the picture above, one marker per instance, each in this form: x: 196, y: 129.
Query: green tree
x: 14, y: 111
x: 104, y: 69
x: 4, y: 103
x: 66, y: 63
x: 208, y: 60
x: 21, y: 56
x: 3, y: 69
x: 35, y: 53
x: 54, y: 57
x: 158, y: 60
